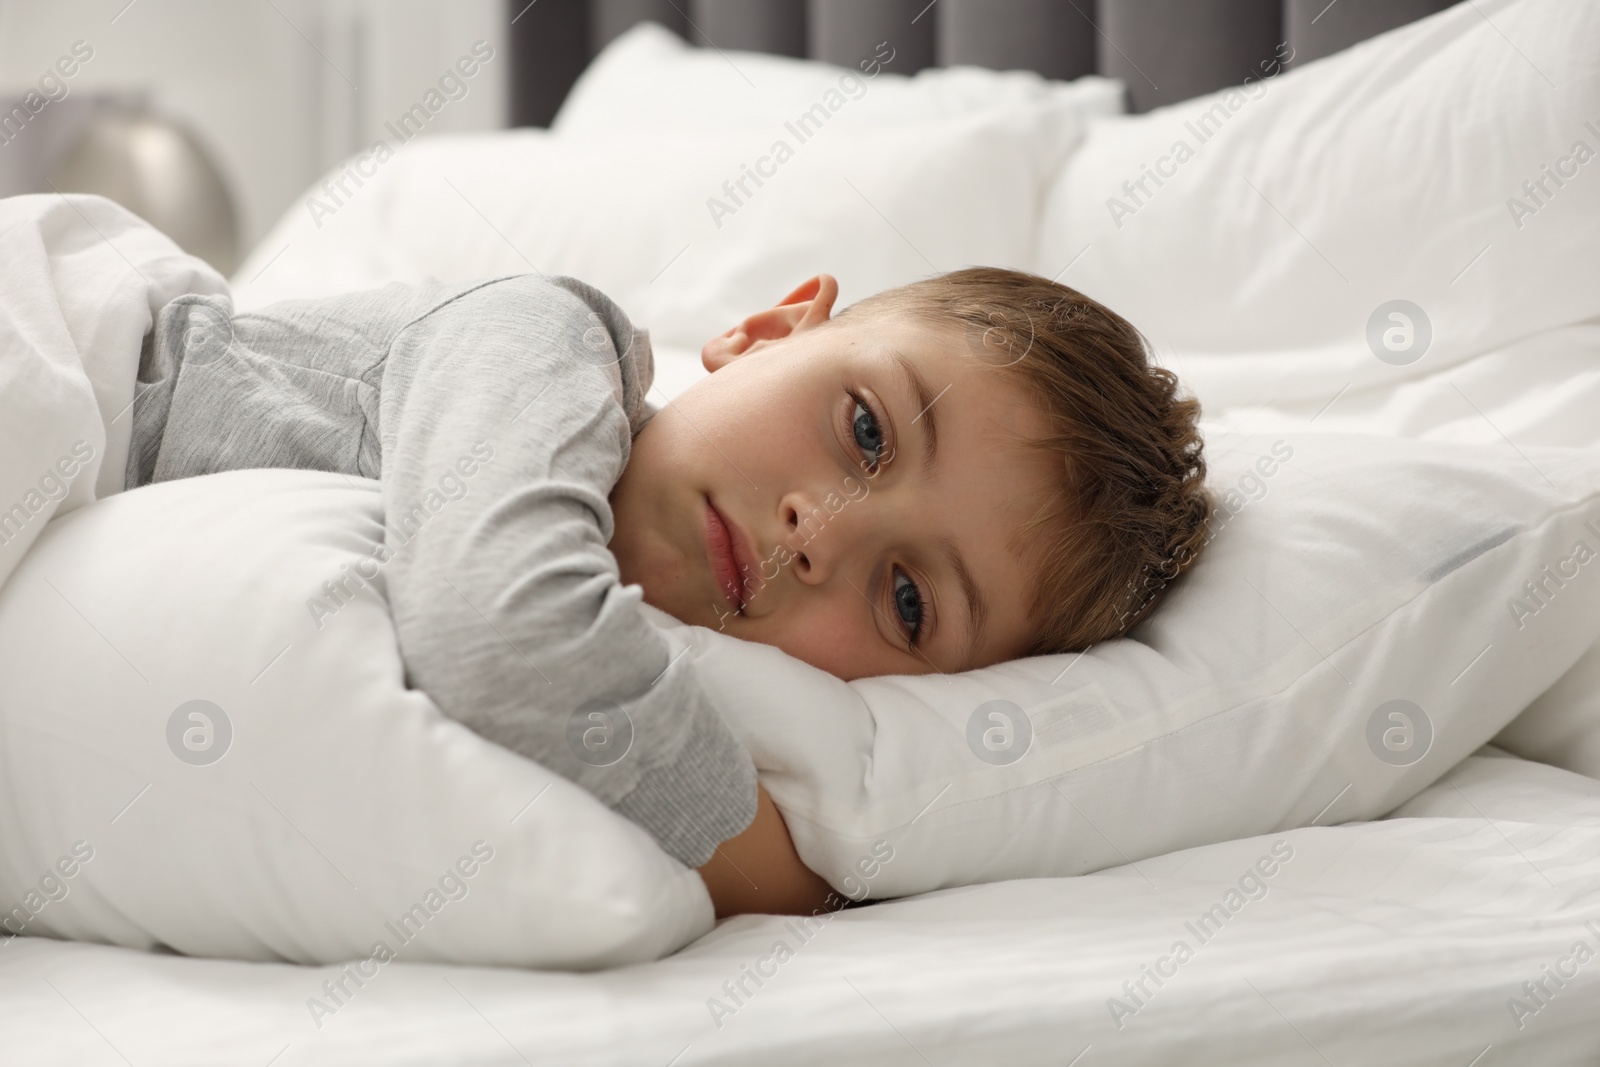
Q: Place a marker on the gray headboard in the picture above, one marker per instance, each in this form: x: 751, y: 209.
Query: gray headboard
x: 1163, y: 50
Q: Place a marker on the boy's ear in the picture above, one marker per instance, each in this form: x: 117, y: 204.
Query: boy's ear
x: 809, y: 305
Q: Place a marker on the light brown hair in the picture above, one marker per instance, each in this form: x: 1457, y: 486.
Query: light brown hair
x: 1132, y: 513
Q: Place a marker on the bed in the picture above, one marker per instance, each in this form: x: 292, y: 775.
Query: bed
x: 1457, y: 923
x: 1398, y: 942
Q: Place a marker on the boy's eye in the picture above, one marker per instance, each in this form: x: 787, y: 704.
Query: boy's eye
x: 908, y: 605
x: 868, y: 434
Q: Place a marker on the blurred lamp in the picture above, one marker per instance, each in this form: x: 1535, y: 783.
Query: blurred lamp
x: 157, y: 169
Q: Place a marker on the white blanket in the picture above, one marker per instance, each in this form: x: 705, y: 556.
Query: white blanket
x: 82, y: 280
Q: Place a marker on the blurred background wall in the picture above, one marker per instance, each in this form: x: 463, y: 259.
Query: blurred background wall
x: 273, y: 92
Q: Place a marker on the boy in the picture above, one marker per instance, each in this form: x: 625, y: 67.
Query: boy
x: 870, y: 492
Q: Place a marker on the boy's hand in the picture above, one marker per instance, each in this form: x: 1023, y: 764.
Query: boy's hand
x: 760, y: 871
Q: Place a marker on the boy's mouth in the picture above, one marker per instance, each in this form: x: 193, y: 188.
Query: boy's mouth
x: 725, y: 547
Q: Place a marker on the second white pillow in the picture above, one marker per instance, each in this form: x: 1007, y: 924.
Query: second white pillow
x: 688, y: 231
x: 650, y: 78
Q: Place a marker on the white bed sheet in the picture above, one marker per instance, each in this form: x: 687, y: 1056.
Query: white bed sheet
x: 1394, y: 942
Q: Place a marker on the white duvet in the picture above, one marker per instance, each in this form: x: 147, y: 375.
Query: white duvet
x: 82, y: 280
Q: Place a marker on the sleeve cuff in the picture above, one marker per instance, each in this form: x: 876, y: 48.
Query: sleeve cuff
x: 701, y: 798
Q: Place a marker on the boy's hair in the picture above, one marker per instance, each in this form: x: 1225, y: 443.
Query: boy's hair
x: 1133, y: 508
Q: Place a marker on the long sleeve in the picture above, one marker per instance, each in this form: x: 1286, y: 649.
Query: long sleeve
x: 505, y: 417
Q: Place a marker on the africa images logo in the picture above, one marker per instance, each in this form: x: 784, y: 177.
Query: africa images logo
x: 199, y: 732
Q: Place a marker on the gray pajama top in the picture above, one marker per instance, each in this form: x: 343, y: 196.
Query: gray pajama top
x: 510, y: 611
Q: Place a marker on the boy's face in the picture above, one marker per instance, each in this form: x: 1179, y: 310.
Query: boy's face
x: 795, y: 496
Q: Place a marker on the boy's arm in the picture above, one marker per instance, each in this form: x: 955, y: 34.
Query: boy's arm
x: 760, y: 871
x: 505, y: 420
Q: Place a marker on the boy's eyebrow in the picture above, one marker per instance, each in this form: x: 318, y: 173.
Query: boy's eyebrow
x: 977, y: 607
x: 925, y: 400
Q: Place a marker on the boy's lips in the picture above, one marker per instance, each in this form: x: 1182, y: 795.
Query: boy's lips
x: 728, y: 552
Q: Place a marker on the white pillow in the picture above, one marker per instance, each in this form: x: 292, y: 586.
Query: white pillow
x: 1346, y: 572
x: 327, y: 803
x: 650, y: 78
x: 634, y: 216
x: 1562, y: 727
x: 1386, y: 172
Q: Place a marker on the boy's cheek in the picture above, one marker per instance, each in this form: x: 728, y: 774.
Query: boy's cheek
x: 821, y: 630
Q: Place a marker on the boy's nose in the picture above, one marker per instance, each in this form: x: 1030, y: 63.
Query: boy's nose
x: 813, y: 534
